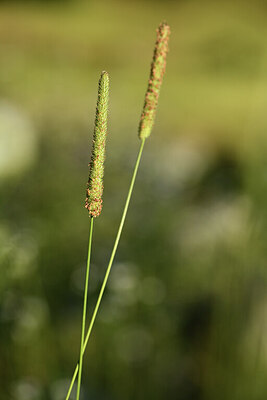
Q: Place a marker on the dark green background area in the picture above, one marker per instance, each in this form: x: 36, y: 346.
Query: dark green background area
x: 184, y: 314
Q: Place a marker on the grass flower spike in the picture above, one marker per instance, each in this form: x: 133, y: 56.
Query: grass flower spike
x: 94, y: 191
x: 156, y: 75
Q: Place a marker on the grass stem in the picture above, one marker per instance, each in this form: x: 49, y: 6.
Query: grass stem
x: 84, y: 308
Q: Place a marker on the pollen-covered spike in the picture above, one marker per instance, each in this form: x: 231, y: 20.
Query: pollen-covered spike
x: 94, y: 191
x: 155, y: 80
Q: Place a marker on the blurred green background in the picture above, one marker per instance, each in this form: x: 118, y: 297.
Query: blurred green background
x: 184, y: 315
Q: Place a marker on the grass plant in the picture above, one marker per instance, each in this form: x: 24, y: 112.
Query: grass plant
x: 94, y: 191
x: 95, y: 183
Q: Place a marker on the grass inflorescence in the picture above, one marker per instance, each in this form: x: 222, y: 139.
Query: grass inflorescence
x: 157, y: 71
x: 94, y: 191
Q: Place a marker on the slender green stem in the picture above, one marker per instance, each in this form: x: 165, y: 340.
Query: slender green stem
x: 110, y: 263
x: 84, y: 308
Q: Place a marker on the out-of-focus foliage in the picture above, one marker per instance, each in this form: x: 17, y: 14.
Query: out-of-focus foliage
x: 184, y: 315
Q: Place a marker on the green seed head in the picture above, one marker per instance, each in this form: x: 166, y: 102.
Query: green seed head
x: 156, y: 74
x: 94, y: 191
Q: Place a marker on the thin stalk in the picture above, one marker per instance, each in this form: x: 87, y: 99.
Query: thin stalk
x: 110, y: 263
x: 84, y: 308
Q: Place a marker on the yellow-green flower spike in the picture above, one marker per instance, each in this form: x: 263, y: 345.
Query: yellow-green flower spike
x: 94, y: 191
x: 156, y: 75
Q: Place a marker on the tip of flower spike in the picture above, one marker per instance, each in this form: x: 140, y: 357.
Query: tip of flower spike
x: 105, y: 75
x: 163, y: 30
x: 164, y: 24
